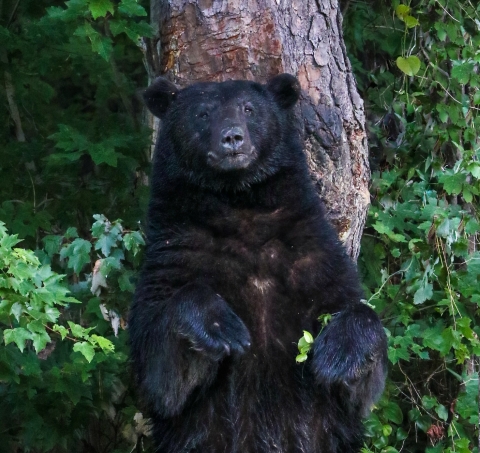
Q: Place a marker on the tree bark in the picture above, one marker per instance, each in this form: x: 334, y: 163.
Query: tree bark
x: 216, y: 40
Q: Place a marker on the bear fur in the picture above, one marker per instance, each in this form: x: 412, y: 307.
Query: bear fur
x: 240, y: 259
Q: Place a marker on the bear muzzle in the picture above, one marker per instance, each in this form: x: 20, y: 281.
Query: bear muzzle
x: 231, y: 139
x: 233, y: 150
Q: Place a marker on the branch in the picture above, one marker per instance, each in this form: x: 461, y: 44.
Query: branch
x: 10, y: 91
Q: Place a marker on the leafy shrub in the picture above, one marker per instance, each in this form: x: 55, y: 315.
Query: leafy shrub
x: 73, y: 144
x: 417, y: 67
x: 63, y: 361
x: 72, y: 138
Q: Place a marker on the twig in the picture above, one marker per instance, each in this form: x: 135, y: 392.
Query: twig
x: 14, y: 10
x: 10, y: 91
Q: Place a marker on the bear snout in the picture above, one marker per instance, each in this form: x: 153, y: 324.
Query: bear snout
x: 232, y: 149
x: 231, y: 138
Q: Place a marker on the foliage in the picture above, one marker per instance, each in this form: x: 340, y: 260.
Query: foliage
x: 305, y: 343
x: 32, y: 294
x: 59, y: 378
x: 72, y: 138
x: 418, y: 70
x: 73, y: 145
x: 304, y: 346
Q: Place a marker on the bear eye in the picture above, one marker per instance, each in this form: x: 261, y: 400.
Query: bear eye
x: 248, y: 108
x: 203, y: 115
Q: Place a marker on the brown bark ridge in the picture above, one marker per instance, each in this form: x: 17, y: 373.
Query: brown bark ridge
x: 216, y: 40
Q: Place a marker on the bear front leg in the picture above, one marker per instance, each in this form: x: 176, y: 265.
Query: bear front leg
x: 350, y: 356
x: 176, y: 345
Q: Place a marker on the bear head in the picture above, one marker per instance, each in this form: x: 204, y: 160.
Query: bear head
x: 232, y: 131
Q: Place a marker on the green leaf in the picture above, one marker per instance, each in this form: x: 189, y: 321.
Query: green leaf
x: 131, y: 8
x: 402, y: 10
x: 105, y: 344
x: 71, y: 233
x: 39, y: 335
x: 100, y: 44
x: 395, y: 354
x: 18, y: 335
x: 100, y: 226
x: 61, y: 330
x: 74, y: 10
x: 78, y: 254
x: 16, y: 310
x: 86, y: 349
x: 31, y: 366
x: 132, y: 29
x: 442, y: 112
x: 79, y: 331
x: 9, y: 241
x: 105, y: 243
x: 472, y: 226
x: 443, y: 229
x: 133, y: 241
x: 453, y: 182
x: 125, y: 282
x: 410, y: 21
x: 386, y: 430
x: 52, y: 244
x: 103, y: 46
x: 433, y: 338
x: 452, y: 30
x: 112, y: 262
x: 429, y: 402
x: 442, y: 412
x: 409, y: 66
x: 467, y: 195
x: 462, y: 72
x: 40, y: 340
x: 385, y: 229
x: 69, y: 139
x: 51, y: 314
x: 100, y: 8
x: 441, y: 33
x: 474, y: 169
x: 476, y: 97
x: 102, y: 154
x: 308, y: 337
x: 393, y: 412
x: 301, y: 358
x: 303, y: 345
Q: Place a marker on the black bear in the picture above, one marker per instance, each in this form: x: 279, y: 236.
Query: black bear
x: 240, y: 259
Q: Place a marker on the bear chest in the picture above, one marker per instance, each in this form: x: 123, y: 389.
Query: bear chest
x: 254, y: 268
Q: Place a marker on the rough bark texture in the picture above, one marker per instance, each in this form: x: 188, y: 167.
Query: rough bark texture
x: 216, y: 40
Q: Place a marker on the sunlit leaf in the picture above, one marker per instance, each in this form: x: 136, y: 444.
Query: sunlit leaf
x: 86, y: 349
x: 99, y: 8
x: 410, y: 65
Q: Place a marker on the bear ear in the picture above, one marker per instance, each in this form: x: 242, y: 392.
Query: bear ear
x: 286, y: 90
x: 159, y: 95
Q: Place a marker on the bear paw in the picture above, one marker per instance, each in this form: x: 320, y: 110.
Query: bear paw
x: 212, y: 328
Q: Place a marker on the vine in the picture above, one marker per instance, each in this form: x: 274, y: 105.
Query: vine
x: 420, y: 261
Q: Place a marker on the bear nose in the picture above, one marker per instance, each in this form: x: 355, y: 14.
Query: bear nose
x: 232, y: 138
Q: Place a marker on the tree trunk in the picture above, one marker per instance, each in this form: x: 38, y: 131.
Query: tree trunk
x: 216, y: 40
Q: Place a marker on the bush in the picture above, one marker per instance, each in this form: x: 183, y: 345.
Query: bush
x: 417, y: 67
x: 73, y: 145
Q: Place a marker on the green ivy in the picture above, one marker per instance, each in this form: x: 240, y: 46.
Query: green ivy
x: 420, y: 260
